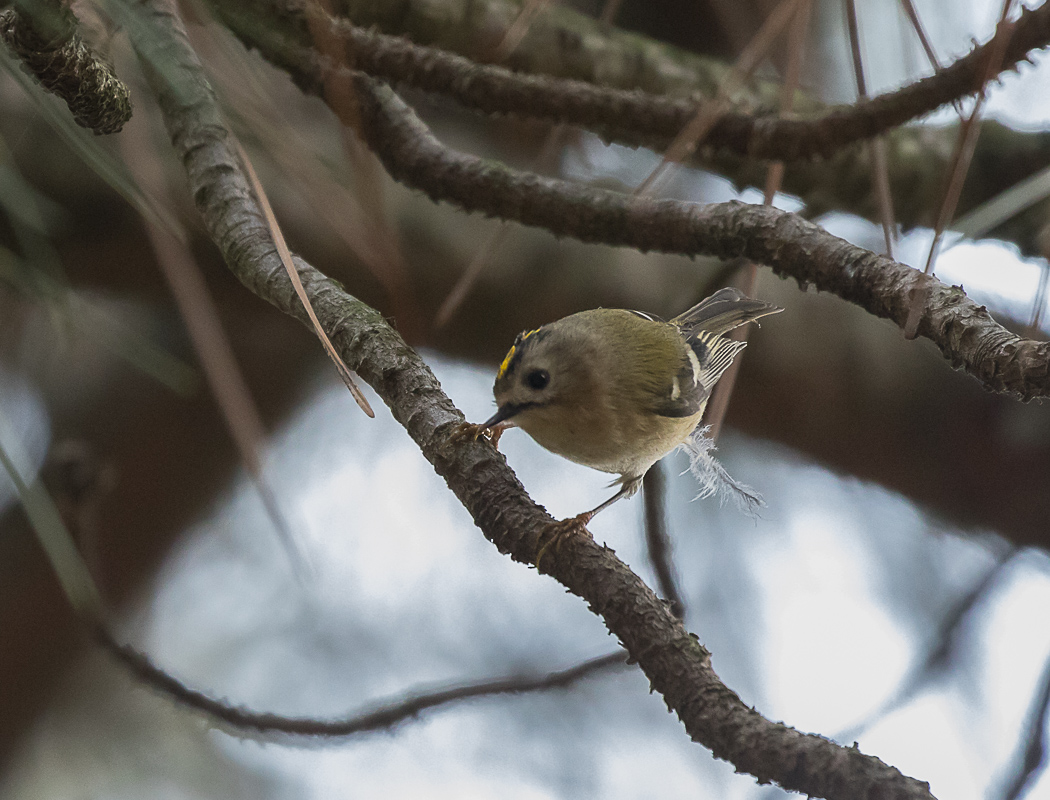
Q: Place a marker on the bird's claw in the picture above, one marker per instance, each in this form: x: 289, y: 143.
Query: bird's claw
x: 475, y: 430
x: 557, y: 532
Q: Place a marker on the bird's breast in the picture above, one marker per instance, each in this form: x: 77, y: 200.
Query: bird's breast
x: 610, y: 442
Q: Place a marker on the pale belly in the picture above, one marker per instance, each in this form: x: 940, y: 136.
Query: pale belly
x: 617, y: 446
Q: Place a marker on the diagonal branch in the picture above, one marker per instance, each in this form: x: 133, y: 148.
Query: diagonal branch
x: 677, y: 665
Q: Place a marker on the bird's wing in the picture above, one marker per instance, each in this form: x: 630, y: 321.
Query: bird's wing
x: 714, y: 354
x: 687, y: 393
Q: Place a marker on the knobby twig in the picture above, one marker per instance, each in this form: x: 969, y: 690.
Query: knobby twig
x: 963, y: 331
x: 676, y: 664
x: 76, y: 481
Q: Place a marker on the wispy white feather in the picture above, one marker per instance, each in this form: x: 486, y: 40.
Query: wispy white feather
x: 712, y: 476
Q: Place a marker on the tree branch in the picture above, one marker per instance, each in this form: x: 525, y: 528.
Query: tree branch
x: 627, y: 117
x: 675, y: 662
x: 917, y: 154
x: 792, y: 247
x: 382, y: 716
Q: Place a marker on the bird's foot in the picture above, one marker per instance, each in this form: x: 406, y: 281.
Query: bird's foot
x: 475, y: 430
x: 557, y: 532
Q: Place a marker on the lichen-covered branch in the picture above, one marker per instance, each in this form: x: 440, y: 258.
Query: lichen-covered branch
x: 675, y: 662
x: 52, y: 51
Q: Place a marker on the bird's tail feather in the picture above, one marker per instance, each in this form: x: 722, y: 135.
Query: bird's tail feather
x: 723, y: 311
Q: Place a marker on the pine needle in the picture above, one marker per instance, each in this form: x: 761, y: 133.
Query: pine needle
x: 293, y: 274
x: 69, y: 566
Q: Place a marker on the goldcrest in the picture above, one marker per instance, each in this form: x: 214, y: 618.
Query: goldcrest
x: 618, y: 390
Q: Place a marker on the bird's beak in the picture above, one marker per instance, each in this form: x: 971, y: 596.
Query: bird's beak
x: 505, y: 412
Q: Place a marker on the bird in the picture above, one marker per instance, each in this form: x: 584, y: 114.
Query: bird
x: 617, y: 390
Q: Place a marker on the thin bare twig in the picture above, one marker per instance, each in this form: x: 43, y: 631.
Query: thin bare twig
x: 959, y: 165
x: 920, y: 31
x: 517, y: 30
x: 748, y: 275
x: 1039, y: 303
x: 550, y: 148
x: 387, y: 260
x: 941, y: 649
x: 708, y: 114
x: 378, y: 716
x: 879, y: 162
x: 968, y: 134
x: 483, y: 257
x: 657, y: 540
x: 58, y: 545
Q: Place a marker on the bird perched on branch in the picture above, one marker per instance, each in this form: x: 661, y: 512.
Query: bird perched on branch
x: 618, y: 390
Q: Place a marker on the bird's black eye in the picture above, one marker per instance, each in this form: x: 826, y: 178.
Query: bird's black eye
x: 538, y: 379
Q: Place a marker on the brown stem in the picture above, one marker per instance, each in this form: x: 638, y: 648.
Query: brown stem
x: 791, y: 246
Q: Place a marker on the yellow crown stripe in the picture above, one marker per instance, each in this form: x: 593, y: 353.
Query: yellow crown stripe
x: 510, y: 353
x: 506, y: 362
